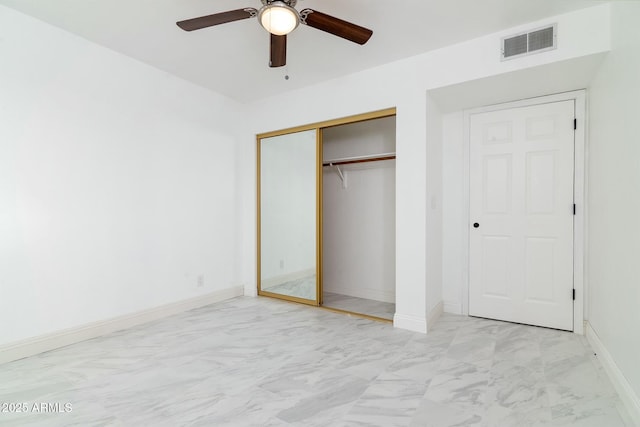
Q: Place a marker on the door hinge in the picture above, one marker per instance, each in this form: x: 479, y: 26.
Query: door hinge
x: 575, y: 124
x: 574, y: 208
x: 574, y: 294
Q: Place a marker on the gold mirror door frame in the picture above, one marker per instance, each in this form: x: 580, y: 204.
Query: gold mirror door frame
x: 316, y: 165
x: 289, y: 173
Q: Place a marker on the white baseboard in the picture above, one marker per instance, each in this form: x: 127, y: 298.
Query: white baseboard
x: 434, y: 315
x: 410, y: 323
x: 622, y: 386
x: 452, y: 307
x: 250, y: 290
x: 36, y: 345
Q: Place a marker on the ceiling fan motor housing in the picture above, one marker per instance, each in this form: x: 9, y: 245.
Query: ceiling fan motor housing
x: 290, y: 3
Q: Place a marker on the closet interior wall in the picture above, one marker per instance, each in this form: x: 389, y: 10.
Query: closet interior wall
x: 359, y: 214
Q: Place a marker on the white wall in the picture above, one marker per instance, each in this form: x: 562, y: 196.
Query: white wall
x: 359, y: 220
x: 370, y: 137
x: 614, y: 196
x: 404, y: 84
x: 433, y: 251
x: 117, y: 183
x: 453, y: 205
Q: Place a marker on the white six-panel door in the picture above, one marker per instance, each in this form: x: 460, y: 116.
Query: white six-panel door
x: 521, y: 211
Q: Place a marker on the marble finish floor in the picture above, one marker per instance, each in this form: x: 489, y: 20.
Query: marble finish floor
x: 265, y: 362
x: 383, y: 310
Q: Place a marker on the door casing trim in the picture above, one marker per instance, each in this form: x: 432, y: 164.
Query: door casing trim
x: 579, y: 196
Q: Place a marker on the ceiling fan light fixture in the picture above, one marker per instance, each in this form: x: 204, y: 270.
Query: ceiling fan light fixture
x: 279, y: 18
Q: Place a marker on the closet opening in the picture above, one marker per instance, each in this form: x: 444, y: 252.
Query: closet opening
x: 358, y: 217
x: 326, y: 214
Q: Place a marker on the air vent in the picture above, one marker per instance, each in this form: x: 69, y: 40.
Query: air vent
x: 539, y: 40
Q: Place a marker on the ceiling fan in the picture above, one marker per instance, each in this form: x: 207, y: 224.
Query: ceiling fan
x: 279, y: 18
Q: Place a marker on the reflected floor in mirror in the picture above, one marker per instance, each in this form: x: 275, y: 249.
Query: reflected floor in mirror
x: 384, y: 310
x: 300, y: 288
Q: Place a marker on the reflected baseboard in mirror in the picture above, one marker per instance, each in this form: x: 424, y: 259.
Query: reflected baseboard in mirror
x: 355, y: 305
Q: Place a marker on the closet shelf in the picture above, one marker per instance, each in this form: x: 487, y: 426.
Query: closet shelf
x: 359, y: 159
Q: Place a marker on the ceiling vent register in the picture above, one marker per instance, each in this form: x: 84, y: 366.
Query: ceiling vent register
x: 536, y: 41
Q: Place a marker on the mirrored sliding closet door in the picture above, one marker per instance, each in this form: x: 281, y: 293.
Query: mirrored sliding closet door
x: 288, y: 214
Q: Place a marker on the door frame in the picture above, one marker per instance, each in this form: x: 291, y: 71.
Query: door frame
x: 318, y: 149
x: 579, y: 196
x: 319, y: 127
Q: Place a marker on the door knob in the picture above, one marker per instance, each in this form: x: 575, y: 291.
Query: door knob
x: 476, y: 225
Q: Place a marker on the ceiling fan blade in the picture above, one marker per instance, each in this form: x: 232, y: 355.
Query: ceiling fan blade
x: 217, y: 19
x: 335, y: 26
x: 278, y: 51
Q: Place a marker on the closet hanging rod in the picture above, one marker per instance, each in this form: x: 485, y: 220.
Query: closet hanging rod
x: 359, y: 159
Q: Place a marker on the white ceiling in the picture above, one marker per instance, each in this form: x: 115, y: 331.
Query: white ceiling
x: 232, y: 59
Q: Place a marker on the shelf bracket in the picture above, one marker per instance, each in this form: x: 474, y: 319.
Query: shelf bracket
x: 342, y: 175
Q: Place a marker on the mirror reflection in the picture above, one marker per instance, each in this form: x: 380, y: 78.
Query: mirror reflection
x: 288, y: 215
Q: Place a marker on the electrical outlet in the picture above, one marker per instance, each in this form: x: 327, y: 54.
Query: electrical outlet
x: 201, y: 280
